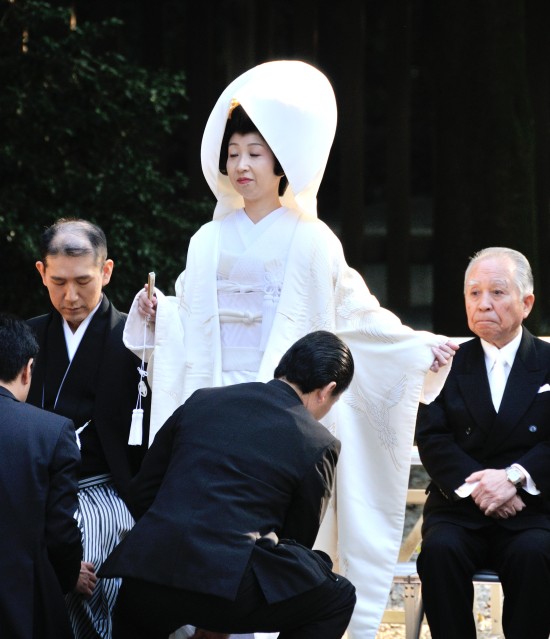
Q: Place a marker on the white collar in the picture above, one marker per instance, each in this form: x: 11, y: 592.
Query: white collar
x: 72, y: 340
x: 507, y: 353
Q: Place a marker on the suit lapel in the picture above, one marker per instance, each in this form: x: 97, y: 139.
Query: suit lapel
x: 474, y: 386
x: 524, y: 381
x: 77, y: 397
x: 53, y: 364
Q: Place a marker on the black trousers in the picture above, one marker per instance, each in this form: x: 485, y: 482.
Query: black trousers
x: 451, y: 554
x: 149, y: 611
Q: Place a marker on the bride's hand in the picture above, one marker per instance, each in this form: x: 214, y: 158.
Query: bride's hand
x: 147, y: 307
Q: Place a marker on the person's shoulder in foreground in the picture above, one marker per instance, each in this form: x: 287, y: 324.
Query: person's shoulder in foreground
x: 38, y: 476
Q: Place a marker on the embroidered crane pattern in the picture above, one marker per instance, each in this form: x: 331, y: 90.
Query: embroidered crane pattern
x: 377, y: 413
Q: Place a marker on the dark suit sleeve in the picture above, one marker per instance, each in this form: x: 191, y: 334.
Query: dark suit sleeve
x: 62, y: 534
x: 444, y: 460
x: 145, y: 485
x: 310, y: 501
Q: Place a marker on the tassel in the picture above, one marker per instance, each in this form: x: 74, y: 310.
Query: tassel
x: 136, y: 428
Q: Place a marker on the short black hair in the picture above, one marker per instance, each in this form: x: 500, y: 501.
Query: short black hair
x: 17, y: 346
x: 315, y: 360
x: 240, y: 122
x: 50, y: 245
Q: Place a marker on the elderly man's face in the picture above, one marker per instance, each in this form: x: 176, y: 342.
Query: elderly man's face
x: 494, y: 306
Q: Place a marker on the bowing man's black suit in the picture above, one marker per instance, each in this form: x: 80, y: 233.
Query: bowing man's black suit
x: 40, y: 549
x: 461, y: 433
x: 230, y: 466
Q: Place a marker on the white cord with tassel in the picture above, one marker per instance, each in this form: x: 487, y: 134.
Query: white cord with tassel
x: 136, y: 427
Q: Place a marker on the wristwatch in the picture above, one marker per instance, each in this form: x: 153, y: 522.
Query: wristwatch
x: 515, y: 476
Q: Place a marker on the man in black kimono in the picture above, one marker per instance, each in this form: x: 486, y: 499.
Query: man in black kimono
x: 85, y: 373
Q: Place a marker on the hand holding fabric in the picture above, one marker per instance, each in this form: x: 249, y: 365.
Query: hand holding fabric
x: 443, y: 354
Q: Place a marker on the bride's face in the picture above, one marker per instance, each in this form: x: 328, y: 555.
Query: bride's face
x: 251, y: 167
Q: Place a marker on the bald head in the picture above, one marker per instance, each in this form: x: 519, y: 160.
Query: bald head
x: 74, y: 238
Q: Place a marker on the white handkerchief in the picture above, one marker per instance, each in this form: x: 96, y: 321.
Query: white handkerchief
x: 466, y: 489
x: 544, y: 388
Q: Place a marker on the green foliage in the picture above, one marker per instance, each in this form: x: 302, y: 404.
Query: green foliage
x: 85, y: 133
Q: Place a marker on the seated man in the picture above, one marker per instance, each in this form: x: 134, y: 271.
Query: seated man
x: 485, y: 443
x: 232, y: 493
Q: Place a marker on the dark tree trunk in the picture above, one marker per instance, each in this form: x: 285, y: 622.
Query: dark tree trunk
x: 349, y: 48
x: 484, y: 193
x: 398, y: 46
x: 205, y: 81
x: 538, y: 57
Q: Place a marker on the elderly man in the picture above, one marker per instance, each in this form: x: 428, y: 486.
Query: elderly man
x: 485, y: 443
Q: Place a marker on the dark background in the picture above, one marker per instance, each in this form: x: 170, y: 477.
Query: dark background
x: 442, y: 146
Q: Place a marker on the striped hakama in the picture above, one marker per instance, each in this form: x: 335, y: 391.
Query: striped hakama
x: 104, y: 520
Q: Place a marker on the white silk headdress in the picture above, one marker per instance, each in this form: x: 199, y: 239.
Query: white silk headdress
x: 293, y: 105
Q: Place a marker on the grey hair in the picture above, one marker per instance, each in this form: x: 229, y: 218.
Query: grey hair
x: 523, y: 276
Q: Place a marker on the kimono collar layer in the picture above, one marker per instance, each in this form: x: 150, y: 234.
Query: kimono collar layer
x: 293, y: 105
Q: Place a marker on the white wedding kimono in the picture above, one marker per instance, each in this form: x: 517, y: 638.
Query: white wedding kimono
x: 300, y: 283
x: 375, y: 418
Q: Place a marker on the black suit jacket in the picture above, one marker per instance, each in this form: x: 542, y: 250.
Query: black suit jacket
x: 112, y: 382
x: 460, y: 432
x: 40, y: 549
x: 232, y: 464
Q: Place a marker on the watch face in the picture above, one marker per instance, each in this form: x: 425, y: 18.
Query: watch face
x: 513, y: 475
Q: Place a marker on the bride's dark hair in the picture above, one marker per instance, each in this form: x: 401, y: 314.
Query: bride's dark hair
x: 239, y: 122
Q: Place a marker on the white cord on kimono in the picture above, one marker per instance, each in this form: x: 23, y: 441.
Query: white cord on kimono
x: 136, y: 428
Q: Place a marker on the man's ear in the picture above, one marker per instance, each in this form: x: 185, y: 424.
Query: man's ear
x: 41, y: 268
x: 528, y: 302
x: 26, y: 373
x: 107, y: 271
x: 327, y: 391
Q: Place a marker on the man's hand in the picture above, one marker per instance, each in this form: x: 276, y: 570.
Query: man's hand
x: 443, y: 354
x: 207, y: 634
x: 493, y: 490
x: 86, y: 579
x: 509, y: 509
